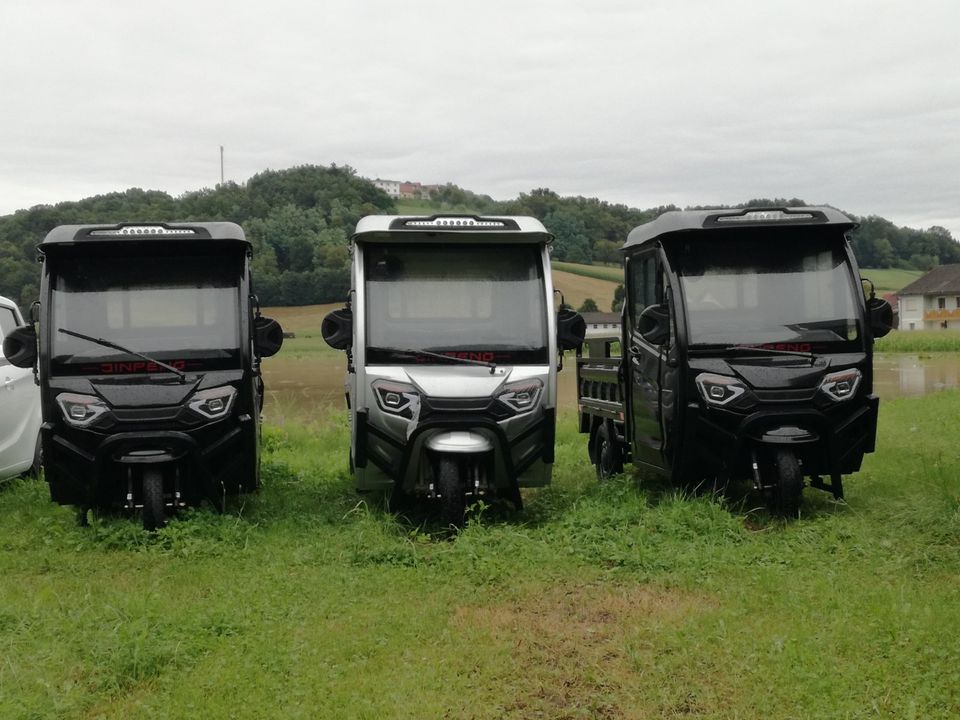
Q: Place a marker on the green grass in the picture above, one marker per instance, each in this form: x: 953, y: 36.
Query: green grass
x: 598, y: 272
x: 914, y: 341
x: 890, y: 279
x: 626, y: 599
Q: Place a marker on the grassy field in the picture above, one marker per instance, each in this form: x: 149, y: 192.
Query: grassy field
x: 622, y: 600
x: 599, y: 272
x: 919, y: 341
x: 890, y: 279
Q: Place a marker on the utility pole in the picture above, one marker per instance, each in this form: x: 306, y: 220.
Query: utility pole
x: 221, y: 164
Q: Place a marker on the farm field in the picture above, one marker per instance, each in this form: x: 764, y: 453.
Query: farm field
x: 890, y: 279
x: 622, y: 600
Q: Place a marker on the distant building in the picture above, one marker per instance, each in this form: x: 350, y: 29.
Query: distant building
x: 601, y: 324
x: 390, y: 187
x: 932, y: 302
x: 411, y: 190
x: 894, y: 301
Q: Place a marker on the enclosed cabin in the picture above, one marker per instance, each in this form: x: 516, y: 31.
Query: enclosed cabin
x: 453, y: 348
x: 749, y: 330
x: 149, y: 348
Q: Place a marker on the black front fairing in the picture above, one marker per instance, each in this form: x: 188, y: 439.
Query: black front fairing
x: 150, y: 417
x: 783, y: 402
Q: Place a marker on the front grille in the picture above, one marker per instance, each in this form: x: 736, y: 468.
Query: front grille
x: 786, y: 396
x: 485, y: 406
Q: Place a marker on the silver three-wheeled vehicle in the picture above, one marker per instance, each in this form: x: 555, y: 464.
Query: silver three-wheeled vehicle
x: 452, y: 354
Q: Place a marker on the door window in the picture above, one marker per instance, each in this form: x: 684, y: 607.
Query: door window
x: 646, y: 285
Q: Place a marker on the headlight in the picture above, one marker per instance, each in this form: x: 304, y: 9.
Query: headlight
x: 521, y: 396
x: 80, y: 410
x: 396, y: 398
x: 719, y: 389
x: 841, y: 385
x: 214, y: 403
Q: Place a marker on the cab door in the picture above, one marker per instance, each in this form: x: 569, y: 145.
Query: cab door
x: 645, y: 368
x: 19, y: 406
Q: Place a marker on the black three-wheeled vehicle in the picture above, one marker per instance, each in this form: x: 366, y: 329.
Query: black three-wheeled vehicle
x: 148, y: 360
x: 747, y: 354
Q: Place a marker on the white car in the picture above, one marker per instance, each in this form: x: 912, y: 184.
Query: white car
x: 19, y: 407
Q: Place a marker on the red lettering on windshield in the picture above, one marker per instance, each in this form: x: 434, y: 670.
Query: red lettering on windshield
x: 479, y: 356
x: 138, y: 366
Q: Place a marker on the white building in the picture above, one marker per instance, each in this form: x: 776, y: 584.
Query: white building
x: 390, y: 187
x: 601, y: 324
x: 932, y: 302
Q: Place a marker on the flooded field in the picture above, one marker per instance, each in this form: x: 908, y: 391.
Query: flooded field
x: 310, y: 385
x: 910, y: 375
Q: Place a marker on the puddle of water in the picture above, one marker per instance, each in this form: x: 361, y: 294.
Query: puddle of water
x: 310, y: 387
x: 907, y: 375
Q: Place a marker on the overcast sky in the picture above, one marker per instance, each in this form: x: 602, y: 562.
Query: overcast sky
x: 851, y: 103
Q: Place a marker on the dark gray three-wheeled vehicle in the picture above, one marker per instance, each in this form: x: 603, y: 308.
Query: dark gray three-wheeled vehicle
x: 148, y: 360
x: 747, y: 353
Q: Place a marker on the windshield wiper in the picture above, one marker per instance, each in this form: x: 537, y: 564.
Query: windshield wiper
x: 769, y: 351
x: 121, y: 348
x: 430, y: 353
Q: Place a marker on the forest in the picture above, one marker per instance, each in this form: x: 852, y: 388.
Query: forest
x: 300, y: 219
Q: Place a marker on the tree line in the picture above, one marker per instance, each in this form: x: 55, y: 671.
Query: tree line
x: 300, y: 219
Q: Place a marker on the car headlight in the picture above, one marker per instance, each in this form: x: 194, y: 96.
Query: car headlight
x: 213, y: 403
x: 719, y: 389
x: 80, y: 410
x: 396, y: 398
x: 521, y: 396
x: 841, y: 385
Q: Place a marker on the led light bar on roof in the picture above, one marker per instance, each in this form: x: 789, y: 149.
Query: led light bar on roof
x: 764, y: 216
x: 455, y: 222
x: 143, y: 230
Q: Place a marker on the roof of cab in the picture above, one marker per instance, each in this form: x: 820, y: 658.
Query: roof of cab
x: 450, y: 226
x: 123, y: 232
x: 679, y: 221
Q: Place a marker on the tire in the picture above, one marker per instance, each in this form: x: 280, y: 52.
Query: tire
x: 154, y: 516
x: 453, y: 502
x: 788, y: 492
x: 608, y: 453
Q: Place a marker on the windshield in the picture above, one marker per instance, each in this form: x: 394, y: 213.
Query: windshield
x: 479, y: 302
x: 787, y: 291
x: 180, y: 310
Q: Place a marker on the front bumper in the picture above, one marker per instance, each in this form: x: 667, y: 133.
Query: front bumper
x: 721, y: 440
x: 383, y: 457
x: 88, y: 468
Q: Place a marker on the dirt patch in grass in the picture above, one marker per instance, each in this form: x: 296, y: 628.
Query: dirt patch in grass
x: 577, y: 650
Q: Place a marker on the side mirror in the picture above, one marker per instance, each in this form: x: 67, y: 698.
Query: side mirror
x: 571, y: 329
x: 337, y: 329
x: 267, y: 336
x: 20, y: 346
x: 879, y: 316
x: 654, y: 324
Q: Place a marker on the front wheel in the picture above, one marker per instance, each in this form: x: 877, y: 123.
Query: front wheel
x: 788, y: 491
x: 154, y: 516
x: 453, y: 502
x: 608, y: 453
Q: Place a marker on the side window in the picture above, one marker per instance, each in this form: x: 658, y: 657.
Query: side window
x: 645, y: 280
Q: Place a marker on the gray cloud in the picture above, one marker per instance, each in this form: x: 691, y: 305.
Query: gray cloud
x: 847, y: 103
